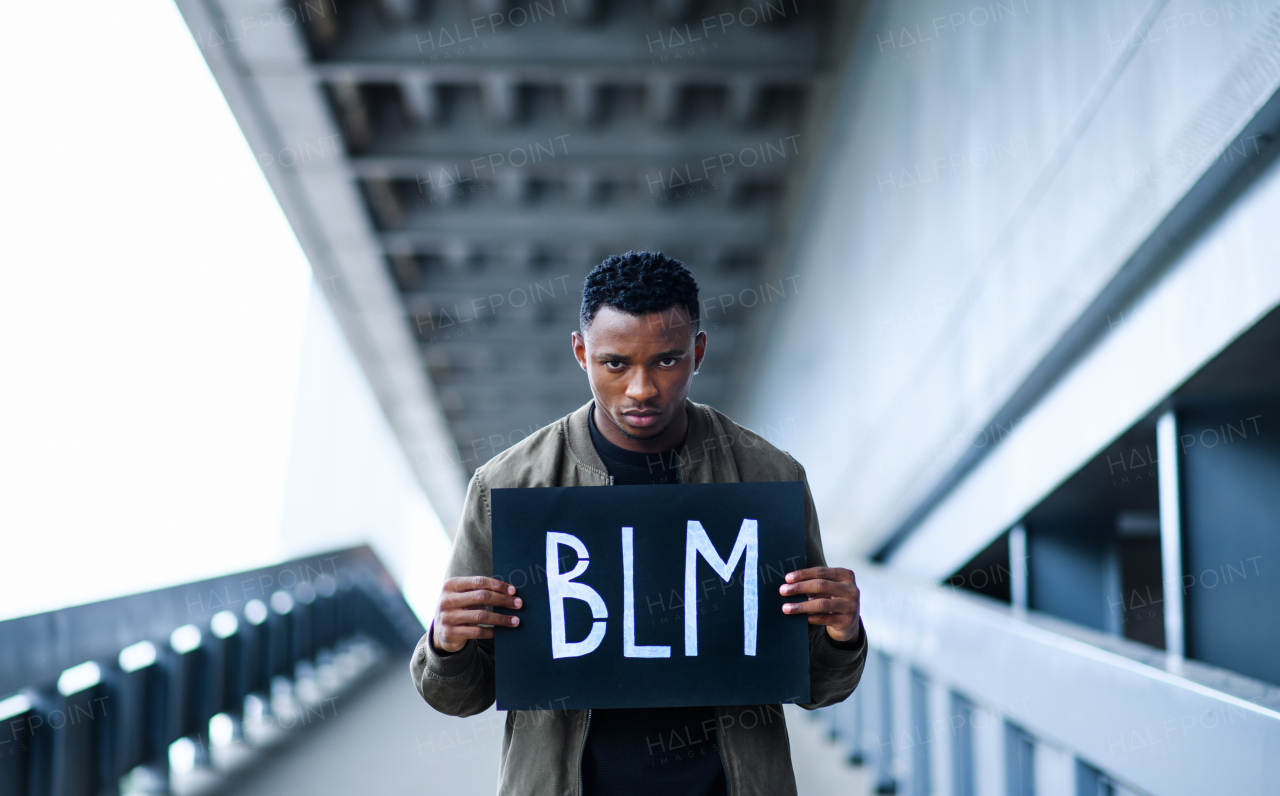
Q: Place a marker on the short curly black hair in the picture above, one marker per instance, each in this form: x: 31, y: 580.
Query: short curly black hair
x: 639, y: 283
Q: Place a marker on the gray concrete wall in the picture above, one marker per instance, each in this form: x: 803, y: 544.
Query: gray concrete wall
x: 988, y: 171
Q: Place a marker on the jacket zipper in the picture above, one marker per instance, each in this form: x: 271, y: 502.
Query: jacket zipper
x: 719, y: 734
x: 582, y: 750
x: 720, y: 750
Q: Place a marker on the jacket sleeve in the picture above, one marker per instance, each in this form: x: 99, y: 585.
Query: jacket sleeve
x: 462, y: 683
x: 834, y: 671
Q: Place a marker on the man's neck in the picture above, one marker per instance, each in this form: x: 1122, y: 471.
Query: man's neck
x: 669, y: 437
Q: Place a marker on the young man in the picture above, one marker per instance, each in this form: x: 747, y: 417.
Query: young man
x: 640, y: 346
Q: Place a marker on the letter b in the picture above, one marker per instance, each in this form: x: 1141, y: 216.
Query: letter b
x: 560, y: 587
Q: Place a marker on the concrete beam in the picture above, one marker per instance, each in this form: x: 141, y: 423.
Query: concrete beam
x: 279, y: 108
x: 477, y: 73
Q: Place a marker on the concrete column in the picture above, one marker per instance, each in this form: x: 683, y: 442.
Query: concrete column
x: 886, y: 782
x: 501, y: 96
x: 1018, y: 568
x: 420, y: 99
x: 399, y: 10
x: 582, y: 96
x: 1054, y: 771
x: 942, y: 734
x: 744, y: 101
x: 1170, y: 532
x: 662, y: 100
x: 1229, y: 462
x: 988, y: 751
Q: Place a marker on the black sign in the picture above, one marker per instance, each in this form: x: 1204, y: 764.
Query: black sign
x: 650, y: 596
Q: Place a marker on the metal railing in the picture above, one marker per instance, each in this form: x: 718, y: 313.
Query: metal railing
x: 963, y: 695
x: 172, y: 689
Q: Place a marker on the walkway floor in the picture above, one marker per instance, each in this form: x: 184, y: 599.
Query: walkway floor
x: 384, y: 740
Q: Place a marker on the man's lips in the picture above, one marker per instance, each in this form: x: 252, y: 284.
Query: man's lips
x: 641, y: 418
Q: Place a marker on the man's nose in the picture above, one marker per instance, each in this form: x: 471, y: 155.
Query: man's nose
x: 641, y: 387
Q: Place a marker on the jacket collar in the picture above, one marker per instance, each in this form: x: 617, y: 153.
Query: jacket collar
x: 577, y: 431
x: 701, y: 459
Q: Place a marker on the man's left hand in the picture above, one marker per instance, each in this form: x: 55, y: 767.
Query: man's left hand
x: 832, y: 600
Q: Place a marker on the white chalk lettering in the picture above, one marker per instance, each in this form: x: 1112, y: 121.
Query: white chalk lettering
x: 629, y: 648
x: 560, y: 587
x: 697, y: 542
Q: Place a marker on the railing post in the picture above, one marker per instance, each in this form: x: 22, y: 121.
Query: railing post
x: 17, y: 725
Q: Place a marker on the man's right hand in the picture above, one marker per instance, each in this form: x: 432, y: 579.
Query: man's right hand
x: 464, y: 611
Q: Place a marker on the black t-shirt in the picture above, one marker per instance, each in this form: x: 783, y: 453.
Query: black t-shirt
x: 642, y: 751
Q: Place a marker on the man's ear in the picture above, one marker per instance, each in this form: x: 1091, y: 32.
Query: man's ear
x: 579, y: 349
x: 699, y: 349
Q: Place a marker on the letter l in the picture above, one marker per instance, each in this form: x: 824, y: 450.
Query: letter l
x: 629, y: 648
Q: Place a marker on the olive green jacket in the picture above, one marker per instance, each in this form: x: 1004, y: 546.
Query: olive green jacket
x: 542, y: 749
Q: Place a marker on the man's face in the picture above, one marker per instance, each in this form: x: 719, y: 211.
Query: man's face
x: 640, y: 366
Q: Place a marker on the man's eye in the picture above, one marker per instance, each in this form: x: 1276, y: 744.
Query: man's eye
x: 668, y: 362
x: 613, y: 365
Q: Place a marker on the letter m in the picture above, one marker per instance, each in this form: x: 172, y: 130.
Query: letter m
x: 697, y: 543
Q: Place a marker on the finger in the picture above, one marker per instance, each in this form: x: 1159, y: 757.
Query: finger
x: 475, y: 599
x: 478, y: 617
x: 824, y: 573
x: 831, y: 620
x: 483, y: 617
x: 464, y: 632
x: 477, y: 583
x: 821, y: 606
x: 819, y: 586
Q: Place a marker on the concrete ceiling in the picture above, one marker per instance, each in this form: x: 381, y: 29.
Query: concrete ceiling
x: 454, y: 168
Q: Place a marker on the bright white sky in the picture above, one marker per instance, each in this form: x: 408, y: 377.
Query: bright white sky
x: 152, y: 308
